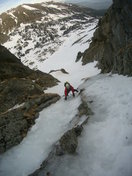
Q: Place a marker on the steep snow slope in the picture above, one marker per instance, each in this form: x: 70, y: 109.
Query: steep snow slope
x: 27, y: 157
x: 105, y: 145
x: 65, y: 58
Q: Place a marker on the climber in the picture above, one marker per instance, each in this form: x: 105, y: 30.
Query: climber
x: 69, y: 88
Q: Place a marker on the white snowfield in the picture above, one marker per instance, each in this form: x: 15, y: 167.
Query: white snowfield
x: 105, y: 146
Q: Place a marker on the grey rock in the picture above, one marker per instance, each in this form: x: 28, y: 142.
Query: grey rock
x: 78, y: 130
x: 59, y: 151
x: 68, y: 141
x: 84, y: 109
x: 79, y: 55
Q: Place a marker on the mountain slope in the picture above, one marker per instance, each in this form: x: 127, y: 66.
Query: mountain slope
x: 36, y: 31
x: 41, y: 12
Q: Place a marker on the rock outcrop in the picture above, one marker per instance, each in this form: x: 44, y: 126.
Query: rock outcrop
x: 21, y: 98
x: 111, y: 44
x: 68, y: 141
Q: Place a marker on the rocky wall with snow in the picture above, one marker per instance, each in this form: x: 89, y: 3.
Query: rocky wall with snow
x: 112, y: 41
x: 21, y: 98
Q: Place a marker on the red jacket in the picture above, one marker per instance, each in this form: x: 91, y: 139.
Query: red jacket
x: 68, y: 90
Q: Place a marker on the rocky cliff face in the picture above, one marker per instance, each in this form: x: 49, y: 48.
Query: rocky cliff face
x: 112, y: 41
x: 21, y: 98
